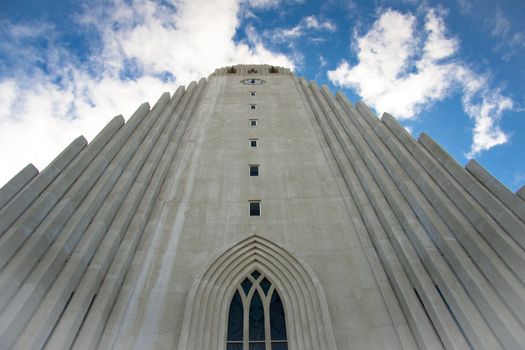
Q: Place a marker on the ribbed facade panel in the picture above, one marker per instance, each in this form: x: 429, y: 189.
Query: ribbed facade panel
x: 439, y: 247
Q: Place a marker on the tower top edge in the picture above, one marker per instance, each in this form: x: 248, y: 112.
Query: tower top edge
x: 251, y: 69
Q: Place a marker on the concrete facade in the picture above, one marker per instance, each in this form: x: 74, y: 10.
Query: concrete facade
x: 374, y: 240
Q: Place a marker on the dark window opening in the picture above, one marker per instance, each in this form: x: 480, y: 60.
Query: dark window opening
x: 255, y: 208
x: 256, y: 318
x: 263, y: 312
x: 253, y: 93
x: 253, y: 143
x: 254, y: 170
x: 253, y: 106
x: 253, y: 122
x: 277, y: 321
x: 274, y: 69
x: 235, y: 319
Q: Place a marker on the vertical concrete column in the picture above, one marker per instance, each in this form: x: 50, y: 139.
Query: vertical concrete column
x: 375, y: 257
x: 17, y: 183
x: 416, y: 315
x: 511, y: 200
x: 498, y: 212
x: 521, y: 193
x: 73, y: 316
x: 421, y: 243
x: 33, y: 248
x: 12, y: 211
x: 504, y: 245
x: 90, y: 333
x: 52, y: 306
x: 32, y: 252
x: 484, y: 188
x: 488, y: 302
x: 496, y: 272
x: 23, y: 304
x: 61, y: 202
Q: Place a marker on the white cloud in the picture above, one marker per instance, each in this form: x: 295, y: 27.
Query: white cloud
x: 402, y: 73
x: 322, y: 61
x: 485, y: 106
x: 264, y: 4
x: 313, y: 22
x: 306, y: 26
x: 44, y: 108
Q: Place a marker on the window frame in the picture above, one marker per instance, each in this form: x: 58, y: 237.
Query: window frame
x: 250, y: 207
x: 253, y: 145
x: 255, y: 166
x: 253, y: 106
x: 247, y: 294
x: 254, y: 122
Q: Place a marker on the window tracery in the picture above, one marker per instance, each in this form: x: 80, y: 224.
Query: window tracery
x: 256, y: 319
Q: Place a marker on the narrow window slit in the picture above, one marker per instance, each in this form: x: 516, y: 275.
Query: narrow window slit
x: 254, y: 170
x: 255, y: 208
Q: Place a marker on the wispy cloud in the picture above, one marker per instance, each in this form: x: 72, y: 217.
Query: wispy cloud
x: 401, y: 72
x: 518, y: 179
x: 308, y: 25
x: 509, y: 42
x: 139, y: 49
x: 499, y: 23
x: 322, y: 61
x: 270, y: 3
x: 465, y: 6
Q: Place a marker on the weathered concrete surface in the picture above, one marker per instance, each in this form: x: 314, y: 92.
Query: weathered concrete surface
x: 376, y: 240
x: 18, y: 182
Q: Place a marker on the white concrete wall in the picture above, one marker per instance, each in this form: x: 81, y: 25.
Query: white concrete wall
x: 406, y: 248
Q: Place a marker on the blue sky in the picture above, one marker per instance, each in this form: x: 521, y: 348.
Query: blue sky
x: 453, y: 69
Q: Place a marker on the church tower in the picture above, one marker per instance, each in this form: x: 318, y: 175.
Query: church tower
x: 254, y: 210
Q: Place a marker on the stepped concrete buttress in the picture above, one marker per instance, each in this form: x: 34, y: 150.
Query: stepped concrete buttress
x: 376, y: 240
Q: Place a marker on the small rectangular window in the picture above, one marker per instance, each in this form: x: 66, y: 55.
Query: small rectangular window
x: 255, y: 208
x: 253, y: 122
x: 253, y: 143
x: 253, y: 93
x: 254, y: 169
x: 253, y: 106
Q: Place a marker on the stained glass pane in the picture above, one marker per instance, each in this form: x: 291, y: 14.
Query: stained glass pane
x: 246, y: 285
x: 257, y: 346
x: 237, y: 346
x: 256, y: 274
x: 235, y: 319
x: 256, y: 318
x: 265, y: 285
x: 277, y: 321
x: 279, y: 346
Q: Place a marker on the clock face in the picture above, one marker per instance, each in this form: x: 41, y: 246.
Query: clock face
x: 253, y: 81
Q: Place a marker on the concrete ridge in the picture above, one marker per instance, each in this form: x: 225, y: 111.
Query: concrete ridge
x: 445, y: 243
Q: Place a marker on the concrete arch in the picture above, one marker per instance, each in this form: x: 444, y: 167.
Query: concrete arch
x: 307, y: 317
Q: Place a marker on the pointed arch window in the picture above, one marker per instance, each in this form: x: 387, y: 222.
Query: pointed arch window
x: 256, y: 318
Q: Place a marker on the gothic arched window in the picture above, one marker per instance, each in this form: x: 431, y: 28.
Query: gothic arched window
x: 256, y: 317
